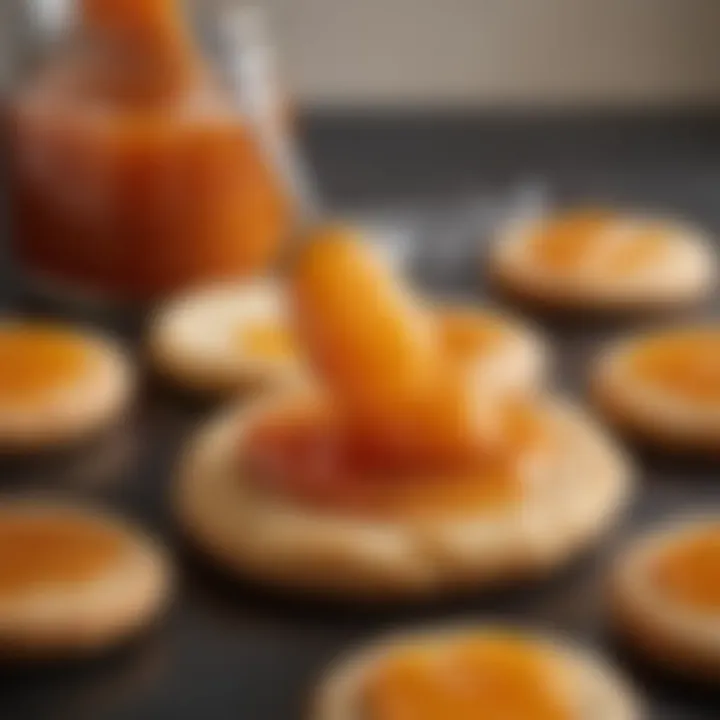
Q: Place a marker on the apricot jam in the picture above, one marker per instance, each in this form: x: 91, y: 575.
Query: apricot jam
x: 35, y: 362
x: 565, y: 241
x: 133, y: 174
x: 265, y: 340
x: 38, y: 552
x: 493, y: 678
x: 688, y: 572
x: 634, y: 252
x: 598, y: 241
x: 684, y: 363
x: 308, y: 455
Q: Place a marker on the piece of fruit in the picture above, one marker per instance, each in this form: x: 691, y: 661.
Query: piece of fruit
x: 368, y: 337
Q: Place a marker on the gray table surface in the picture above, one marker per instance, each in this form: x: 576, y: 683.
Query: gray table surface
x: 233, y: 651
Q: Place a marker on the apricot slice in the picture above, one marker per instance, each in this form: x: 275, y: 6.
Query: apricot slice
x: 494, y: 677
x: 373, y: 344
x: 688, y: 572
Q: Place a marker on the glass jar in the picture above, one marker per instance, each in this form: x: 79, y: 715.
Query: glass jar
x: 139, y: 166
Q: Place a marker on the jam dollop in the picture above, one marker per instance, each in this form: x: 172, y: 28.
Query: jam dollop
x: 265, y: 339
x: 42, y: 551
x: 599, y: 241
x: 688, y: 572
x: 494, y: 678
x: 36, y: 362
x: 685, y: 363
x: 308, y: 454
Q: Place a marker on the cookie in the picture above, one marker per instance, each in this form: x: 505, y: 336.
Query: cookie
x: 472, y: 535
x: 599, y: 260
x: 469, y: 671
x: 226, y: 338
x: 58, y: 384
x: 73, y: 580
x: 663, y: 387
x: 665, y: 599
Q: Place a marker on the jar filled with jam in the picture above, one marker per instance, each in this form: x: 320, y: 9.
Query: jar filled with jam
x: 139, y: 166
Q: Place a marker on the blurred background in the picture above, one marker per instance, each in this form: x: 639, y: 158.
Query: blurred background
x: 500, y: 53
x: 444, y: 106
x: 478, y: 53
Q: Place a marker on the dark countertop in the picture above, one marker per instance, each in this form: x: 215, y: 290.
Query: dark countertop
x: 233, y: 651
x: 672, y: 160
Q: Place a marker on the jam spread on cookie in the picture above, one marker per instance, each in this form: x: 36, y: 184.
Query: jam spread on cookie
x: 36, y: 362
x: 685, y: 363
x: 265, y: 340
x: 307, y: 454
x: 41, y: 551
x: 564, y: 242
x: 493, y: 678
x: 597, y: 241
x: 688, y: 572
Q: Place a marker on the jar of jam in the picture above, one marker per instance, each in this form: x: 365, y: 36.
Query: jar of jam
x: 138, y: 166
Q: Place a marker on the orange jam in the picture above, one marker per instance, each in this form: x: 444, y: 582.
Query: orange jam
x: 685, y: 363
x: 688, y: 573
x: 599, y: 241
x: 40, y: 551
x: 563, y: 242
x: 134, y: 174
x: 493, y: 678
x: 637, y: 250
x: 36, y: 362
x: 265, y: 340
x: 308, y: 454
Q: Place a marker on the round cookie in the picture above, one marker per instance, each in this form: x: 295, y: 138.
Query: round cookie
x: 512, y: 671
x: 230, y: 337
x: 257, y: 533
x: 665, y: 598
x: 226, y: 338
x: 664, y: 387
x: 597, y: 260
x: 73, y: 580
x: 58, y: 384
